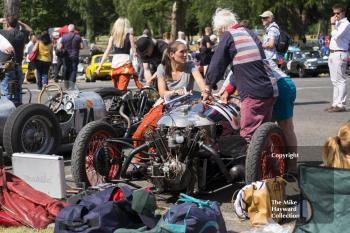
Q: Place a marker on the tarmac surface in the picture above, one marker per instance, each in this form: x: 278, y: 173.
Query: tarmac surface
x: 312, y: 125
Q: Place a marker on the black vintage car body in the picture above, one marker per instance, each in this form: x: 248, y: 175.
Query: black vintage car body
x: 305, y: 63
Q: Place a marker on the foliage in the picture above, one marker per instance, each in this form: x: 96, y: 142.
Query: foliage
x: 95, y: 17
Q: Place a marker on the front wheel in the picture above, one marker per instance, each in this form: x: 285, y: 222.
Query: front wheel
x: 301, y: 72
x: 265, y: 153
x: 32, y: 128
x: 90, y: 163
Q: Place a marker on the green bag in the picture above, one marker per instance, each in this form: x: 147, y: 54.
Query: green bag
x: 328, y: 191
x: 161, y: 227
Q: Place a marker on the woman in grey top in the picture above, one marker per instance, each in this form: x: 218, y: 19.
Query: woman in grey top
x: 174, y: 73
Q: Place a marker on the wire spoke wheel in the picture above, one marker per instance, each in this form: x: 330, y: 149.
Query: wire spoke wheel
x: 266, y: 153
x: 112, y: 163
x: 35, y: 134
x: 94, y: 161
x: 272, y: 162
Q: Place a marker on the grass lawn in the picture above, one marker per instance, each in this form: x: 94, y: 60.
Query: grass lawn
x: 24, y: 230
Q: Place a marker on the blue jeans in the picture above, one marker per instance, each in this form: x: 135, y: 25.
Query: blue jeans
x: 15, y: 76
x: 42, y: 69
x: 70, y: 65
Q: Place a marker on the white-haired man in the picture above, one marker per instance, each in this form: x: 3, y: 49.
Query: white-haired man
x: 242, y: 48
x: 71, y: 43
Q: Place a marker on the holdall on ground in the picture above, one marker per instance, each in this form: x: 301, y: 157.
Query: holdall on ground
x: 101, y: 212
x: 255, y: 201
x: 277, y: 192
x: 191, y: 215
x: 188, y: 215
x: 258, y: 202
x: 244, y: 199
x: 328, y: 191
x: 118, y: 195
x: 25, y: 205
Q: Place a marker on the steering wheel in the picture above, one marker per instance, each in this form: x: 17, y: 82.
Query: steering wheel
x: 56, y: 100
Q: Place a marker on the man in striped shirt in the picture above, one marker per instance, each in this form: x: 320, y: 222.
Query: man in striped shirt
x: 243, y: 49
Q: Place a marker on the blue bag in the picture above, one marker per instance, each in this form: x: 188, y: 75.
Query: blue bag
x: 188, y: 215
x: 191, y: 215
x: 98, y: 213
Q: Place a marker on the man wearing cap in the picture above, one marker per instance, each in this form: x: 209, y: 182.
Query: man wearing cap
x: 151, y: 53
x: 270, y: 38
x: 284, y: 87
x: 337, y: 60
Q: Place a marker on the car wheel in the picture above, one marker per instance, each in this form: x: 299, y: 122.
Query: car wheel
x: 268, y: 140
x: 301, y: 72
x: 90, y: 163
x: 92, y: 78
x: 32, y: 128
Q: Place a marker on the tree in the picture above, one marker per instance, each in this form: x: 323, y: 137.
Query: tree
x: 11, y: 7
x: 87, y: 12
x: 47, y: 14
x: 178, y: 16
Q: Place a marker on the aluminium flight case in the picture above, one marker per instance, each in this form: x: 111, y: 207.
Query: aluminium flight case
x: 43, y: 172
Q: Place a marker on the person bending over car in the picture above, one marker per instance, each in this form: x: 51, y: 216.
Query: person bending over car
x: 121, y: 40
x: 241, y: 47
x: 173, y: 74
x: 150, y: 52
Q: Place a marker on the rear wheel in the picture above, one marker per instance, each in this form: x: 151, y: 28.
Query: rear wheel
x: 90, y: 163
x: 265, y: 153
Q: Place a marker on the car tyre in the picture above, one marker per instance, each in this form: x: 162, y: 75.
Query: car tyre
x: 301, y: 72
x: 86, y: 151
x: 266, y: 140
x: 92, y: 78
x: 32, y: 128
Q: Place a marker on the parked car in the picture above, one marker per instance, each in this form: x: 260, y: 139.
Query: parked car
x: 304, y: 63
x: 105, y: 72
x: 31, y: 77
x: 83, y: 64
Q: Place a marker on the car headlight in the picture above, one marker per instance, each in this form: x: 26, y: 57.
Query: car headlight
x: 69, y: 105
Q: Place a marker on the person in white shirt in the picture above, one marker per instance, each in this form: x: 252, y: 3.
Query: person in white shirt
x: 27, y: 50
x: 181, y: 37
x: 337, y: 61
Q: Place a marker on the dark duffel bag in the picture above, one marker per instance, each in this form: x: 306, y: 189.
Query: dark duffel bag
x: 101, y: 212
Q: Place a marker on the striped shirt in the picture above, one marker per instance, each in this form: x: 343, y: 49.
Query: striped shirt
x: 243, y: 49
x: 247, y: 50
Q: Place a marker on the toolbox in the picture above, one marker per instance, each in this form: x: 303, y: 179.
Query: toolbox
x: 43, y: 172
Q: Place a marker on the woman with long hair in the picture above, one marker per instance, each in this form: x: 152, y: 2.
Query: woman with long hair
x: 174, y: 74
x: 336, y: 151
x: 43, y: 61
x: 119, y: 44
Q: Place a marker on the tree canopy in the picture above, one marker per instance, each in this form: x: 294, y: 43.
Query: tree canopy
x: 95, y: 17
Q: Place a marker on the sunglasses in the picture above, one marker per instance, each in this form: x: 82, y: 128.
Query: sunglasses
x: 264, y: 18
